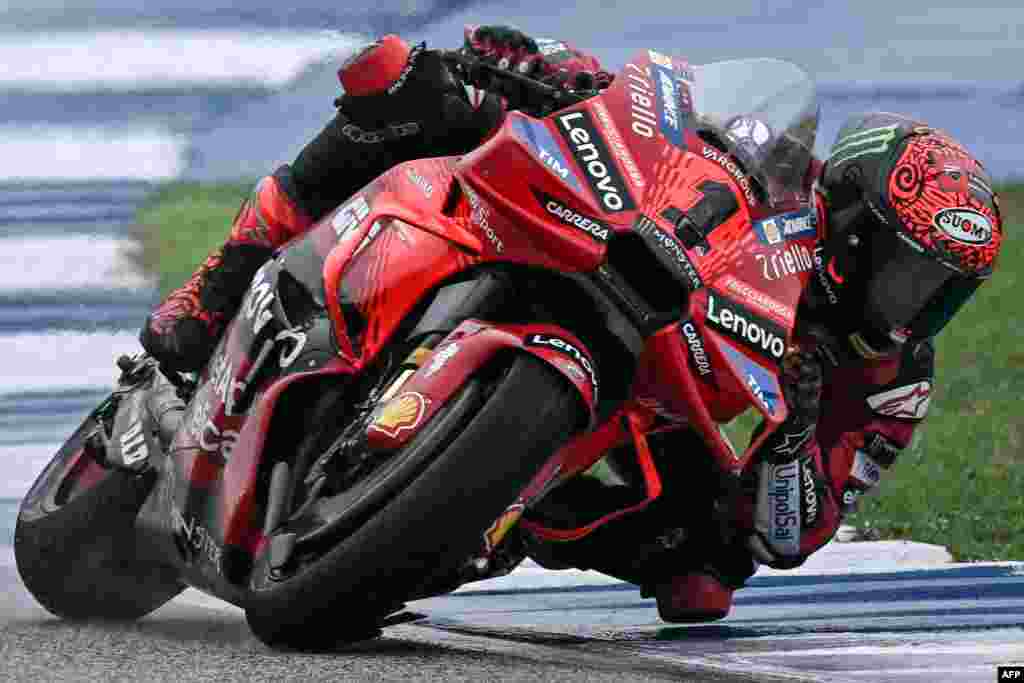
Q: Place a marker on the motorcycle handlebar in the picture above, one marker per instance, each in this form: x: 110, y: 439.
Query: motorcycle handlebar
x: 521, y: 92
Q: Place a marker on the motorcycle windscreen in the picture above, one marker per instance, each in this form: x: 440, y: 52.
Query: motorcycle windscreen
x: 766, y: 112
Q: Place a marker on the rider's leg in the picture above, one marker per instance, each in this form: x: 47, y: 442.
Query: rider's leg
x: 401, y: 103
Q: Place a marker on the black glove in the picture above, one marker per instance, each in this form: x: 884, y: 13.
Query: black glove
x: 550, y: 61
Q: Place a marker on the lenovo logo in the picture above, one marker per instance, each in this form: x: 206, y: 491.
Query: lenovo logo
x: 752, y: 331
x: 593, y: 156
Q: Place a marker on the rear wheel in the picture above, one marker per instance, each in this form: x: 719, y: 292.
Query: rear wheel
x: 420, y: 515
x: 75, y: 543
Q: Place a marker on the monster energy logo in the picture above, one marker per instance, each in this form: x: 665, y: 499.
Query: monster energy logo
x: 871, y: 141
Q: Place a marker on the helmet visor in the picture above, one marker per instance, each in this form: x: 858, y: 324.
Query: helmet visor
x: 909, y: 293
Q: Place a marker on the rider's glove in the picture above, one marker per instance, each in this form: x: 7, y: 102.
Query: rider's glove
x: 795, y: 511
x: 393, y: 91
x: 551, y: 61
x: 857, y: 460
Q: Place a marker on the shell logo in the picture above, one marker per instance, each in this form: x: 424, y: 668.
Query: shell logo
x: 402, y: 413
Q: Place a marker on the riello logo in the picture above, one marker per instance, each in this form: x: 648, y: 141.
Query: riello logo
x: 590, y: 150
x: 756, y: 333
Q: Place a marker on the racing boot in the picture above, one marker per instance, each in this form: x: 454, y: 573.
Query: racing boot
x: 183, y: 330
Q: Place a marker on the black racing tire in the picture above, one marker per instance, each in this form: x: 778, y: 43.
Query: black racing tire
x: 478, y: 463
x: 75, y: 543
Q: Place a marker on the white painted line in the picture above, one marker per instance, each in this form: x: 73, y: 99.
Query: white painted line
x: 32, y: 264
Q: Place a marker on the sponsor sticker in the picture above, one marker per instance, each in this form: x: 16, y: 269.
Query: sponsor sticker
x: 256, y: 308
x: 133, y: 445
x: 618, y: 145
x: 810, y: 502
x: 420, y: 182
x: 660, y: 59
x: 669, y: 251
x: 908, y: 402
x: 861, y: 143
x: 591, y: 153
x: 740, y: 323
x: 401, y: 413
x: 502, y: 525
x: 780, y: 487
x: 698, y: 351
x: 964, y: 225
x: 567, y: 348
x: 792, y: 441
x: 643, y: 120
x: 757, y: 298
x: 590, y: 226
x: 349, y: 216
x: 670, y: 118
x: 794, y: 225
x: 732, y: 168
x: 865, y: 470
x: 539, y: 139
x: 762, y: 383
x: 823, y: 279
x: 441, y: 357
x: 792, y: 259
x: 481, y: 217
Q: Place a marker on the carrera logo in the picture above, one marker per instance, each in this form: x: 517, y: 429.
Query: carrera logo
x: 563, y: 213
x: 593, y: 156
x: 908, y: 402
x: 698, y: 355
x: 567, y: 348
x: 752, y: 331
x: 964, y: 225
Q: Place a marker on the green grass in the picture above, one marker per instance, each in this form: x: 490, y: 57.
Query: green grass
x: 181, y: 224
x: 960, y: 484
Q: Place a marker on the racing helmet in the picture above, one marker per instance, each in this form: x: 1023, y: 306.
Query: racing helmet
x: 912, y: 228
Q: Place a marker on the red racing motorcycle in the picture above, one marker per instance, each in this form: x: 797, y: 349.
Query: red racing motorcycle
x: 473, y: 360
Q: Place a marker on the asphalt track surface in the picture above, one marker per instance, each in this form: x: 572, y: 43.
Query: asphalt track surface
x: 947, y: 624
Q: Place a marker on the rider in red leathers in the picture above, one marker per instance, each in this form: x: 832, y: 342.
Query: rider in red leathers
x: 912, y: 227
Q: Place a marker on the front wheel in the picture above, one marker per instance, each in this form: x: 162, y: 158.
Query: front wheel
x: 76, y: 545
x: 444, y: 489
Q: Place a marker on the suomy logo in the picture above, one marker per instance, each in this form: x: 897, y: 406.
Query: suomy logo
x: 752, y: 331
x: 592, y: 154
x: 965, y: 225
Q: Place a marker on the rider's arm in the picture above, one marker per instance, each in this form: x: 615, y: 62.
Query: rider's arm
x: 873, y: 419
x: 868, y: 412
